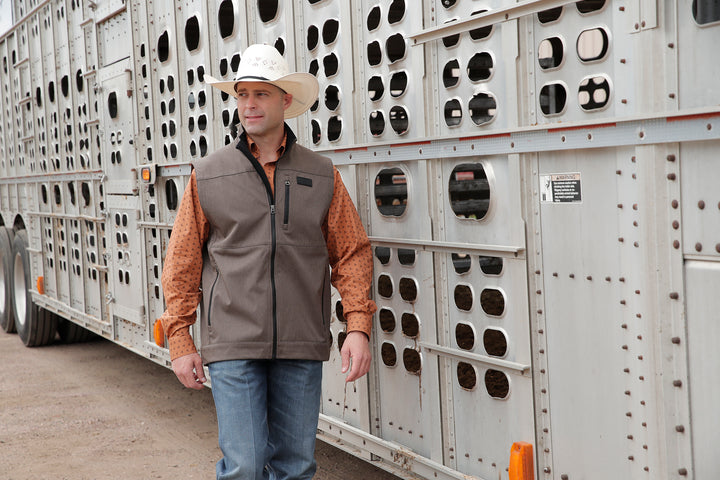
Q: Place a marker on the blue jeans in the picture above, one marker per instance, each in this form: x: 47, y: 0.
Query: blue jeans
x: 267, y: 413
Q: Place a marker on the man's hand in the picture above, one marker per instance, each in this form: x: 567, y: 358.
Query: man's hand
x: 357, y: 349
x: 189, y: 370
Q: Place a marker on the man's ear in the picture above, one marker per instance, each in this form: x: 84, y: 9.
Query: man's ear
x: 287, y: 101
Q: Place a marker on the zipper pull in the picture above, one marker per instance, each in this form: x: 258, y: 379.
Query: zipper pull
x: 287, y: 183
x: 272, y: 209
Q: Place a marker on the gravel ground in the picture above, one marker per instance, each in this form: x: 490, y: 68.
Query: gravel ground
x: 98, y: 411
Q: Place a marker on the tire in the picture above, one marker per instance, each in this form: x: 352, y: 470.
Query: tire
x: 70, y: 332
x: 35, y: 326
x: 7, y: 317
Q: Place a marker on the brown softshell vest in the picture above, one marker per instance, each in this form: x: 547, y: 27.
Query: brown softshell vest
x: 266, y: 275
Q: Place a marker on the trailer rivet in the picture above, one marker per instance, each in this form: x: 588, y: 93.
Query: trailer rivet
x: 671, y: 158
x: 555, y: 273
x: 698, y: 247
x: 546, y: 469
x: 717, y: 247
x: 622, y: 302
x: 683, y: 471
x: 676, y: 244
x: 671, y: 45
x: 572, y: 275
x: 671, y: 176
x: 674, y: 295
x: 621, y: 239
x: 644, y: 424
x: 539, y: 312
x: 589, y: 277
x: 607, y: 279
x: 631, y: 458
x: 646, y: 469
x: 671, y: 95
x: 541, y: 331
x: 640, y: 357
x: 674, y: 204
x: 564, y: 477
x: 676, y: 340
x: 624, y: 325
x: 679, y: 428
x: 622, y: 60
x: 637, y: 292
x: 619, y: 172
x: 620, y: 205
x: 677, y: 383
x: 701, y: 204
x: 624, y: 347
x: 627, y: 392
x: 629, y: 437
x: 676, y: 224
x: 642, y: 402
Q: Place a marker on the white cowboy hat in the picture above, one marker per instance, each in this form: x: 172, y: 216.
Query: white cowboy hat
x: 263, y: 63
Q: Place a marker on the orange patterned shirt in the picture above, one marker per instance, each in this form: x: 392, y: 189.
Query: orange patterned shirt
x: 348, y: 248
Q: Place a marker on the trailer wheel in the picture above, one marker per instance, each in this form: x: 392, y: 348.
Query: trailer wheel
x: 70, y: 332
x: 35, y: 326
x: 7, y: 318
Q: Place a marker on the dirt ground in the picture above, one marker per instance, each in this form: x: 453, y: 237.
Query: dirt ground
x: 97, y: 411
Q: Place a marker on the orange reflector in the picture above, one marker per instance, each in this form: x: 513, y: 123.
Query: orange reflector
x: 146, y: 174
x: 41, y: 285
x: 159, y: 334
x: 521, y: 462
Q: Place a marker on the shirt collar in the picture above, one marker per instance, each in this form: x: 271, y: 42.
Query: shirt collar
x: 256, y: 151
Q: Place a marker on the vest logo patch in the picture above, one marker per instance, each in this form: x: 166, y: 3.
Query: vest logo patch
x: 304, y: 181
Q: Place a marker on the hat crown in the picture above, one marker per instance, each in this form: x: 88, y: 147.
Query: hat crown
x: 262, y: 61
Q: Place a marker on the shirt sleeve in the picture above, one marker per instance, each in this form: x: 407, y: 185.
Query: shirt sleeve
x: 182, y: 272
x: 350, y: 259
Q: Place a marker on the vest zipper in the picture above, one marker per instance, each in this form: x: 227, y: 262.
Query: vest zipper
x: 286, y: 215
x: 212, y: 289
x: 272, y: 278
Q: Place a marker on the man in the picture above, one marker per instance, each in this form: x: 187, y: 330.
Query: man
x: 261, y: 222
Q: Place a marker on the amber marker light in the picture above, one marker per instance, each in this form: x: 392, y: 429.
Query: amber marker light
x: 521, y: 462
x: 41, y: 285
x: 146, y: 174
x: 159, y: 334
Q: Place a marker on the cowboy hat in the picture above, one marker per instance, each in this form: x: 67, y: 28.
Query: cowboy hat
x: 263, y: 63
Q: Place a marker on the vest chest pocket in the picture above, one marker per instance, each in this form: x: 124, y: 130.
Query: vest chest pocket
x: 301, y: 193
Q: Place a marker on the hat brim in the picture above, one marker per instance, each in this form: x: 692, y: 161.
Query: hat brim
x: 303, y: 87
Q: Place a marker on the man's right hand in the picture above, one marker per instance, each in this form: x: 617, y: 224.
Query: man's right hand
x: 189, y: 370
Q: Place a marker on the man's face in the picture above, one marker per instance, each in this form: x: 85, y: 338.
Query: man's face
x: 261, y: 108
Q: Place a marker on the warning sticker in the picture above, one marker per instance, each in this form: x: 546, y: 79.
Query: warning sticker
x: 560, y: 188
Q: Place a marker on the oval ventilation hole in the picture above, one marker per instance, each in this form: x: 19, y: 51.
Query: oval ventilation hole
x: 467, y: 376
x: 410, y: 325
x: 550, y: 53
x: 553, y: 98
x: 495, y: 342
x: 465, y: 336
x: 463, y: 297
x: 469, y: 191
x: 492, y: 301
x: 383, y: 254
x: 387, y: 320
x: 385, y: 286
x: 340, y: 312
x: 412, y: 361
x: 497, y: 384
x: 391, y: 192
x: 388, y: 354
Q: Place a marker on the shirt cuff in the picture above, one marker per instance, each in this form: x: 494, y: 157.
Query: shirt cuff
x: 181, y: 344
x: 359, y: 322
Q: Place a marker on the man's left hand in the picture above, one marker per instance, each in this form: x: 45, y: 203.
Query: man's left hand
x: 357, y: 349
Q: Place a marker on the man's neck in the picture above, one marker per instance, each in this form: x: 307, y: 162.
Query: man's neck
x: 268, y: 145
